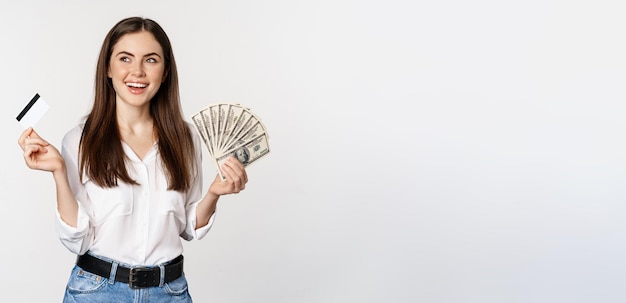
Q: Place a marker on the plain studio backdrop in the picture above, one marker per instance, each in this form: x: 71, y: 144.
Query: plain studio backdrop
x: 421, y: 151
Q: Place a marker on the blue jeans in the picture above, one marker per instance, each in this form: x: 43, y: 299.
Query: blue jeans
x: 87, y: 287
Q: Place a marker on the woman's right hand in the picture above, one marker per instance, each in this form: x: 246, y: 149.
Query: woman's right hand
x: 40, y: 154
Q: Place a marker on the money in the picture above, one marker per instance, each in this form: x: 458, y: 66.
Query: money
x: 229, y: 129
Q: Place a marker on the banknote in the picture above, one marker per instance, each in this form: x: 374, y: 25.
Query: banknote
x: 246, y: 153
x: 230, y: 129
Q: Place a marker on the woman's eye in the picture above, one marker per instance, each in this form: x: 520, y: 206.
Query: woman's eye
x: 125, y: 59
x: 151, y: 60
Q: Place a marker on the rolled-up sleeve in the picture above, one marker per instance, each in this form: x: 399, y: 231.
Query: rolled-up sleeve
x: 77, y: 239
x: 195, y: 194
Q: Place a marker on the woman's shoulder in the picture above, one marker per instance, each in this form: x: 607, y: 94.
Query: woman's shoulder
x: 195, y: 137
x: 190, y: 125
x: 72, y: 137
x: 193, y: 131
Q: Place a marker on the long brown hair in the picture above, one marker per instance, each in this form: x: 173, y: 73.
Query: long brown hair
x: 102, y: 157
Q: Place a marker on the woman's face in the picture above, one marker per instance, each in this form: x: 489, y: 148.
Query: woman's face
x: 137, y: 69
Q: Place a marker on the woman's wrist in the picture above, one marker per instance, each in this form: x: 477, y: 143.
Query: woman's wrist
x: 212, y: 197
x: 60, y: 172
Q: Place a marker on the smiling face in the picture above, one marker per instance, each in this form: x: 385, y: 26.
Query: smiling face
x: 136, y: 69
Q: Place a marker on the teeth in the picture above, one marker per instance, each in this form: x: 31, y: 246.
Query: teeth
x: 139, y: 85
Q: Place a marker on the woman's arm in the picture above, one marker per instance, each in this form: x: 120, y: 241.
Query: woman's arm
x: 236, y: 179
x: 41, y: 155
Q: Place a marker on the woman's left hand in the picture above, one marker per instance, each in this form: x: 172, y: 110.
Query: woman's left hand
x: 236, y: 178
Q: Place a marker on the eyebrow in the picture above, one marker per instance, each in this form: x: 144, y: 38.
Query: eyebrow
x: 130, y: 54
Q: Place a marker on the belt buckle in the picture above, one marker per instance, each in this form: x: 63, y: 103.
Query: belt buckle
x: 136, y: 273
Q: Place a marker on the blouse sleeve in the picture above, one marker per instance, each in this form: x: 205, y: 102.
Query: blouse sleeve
x: 195, y: 194
x: 77, y: 239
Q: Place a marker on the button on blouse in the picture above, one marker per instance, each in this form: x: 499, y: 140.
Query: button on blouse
x: 134, y: 224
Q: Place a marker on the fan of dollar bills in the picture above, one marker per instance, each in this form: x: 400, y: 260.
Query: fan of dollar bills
x: 231, y: 130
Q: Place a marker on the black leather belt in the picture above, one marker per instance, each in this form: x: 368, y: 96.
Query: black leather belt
x: 136, y: 277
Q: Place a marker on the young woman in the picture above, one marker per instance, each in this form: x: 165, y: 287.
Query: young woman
x: 129, y: 179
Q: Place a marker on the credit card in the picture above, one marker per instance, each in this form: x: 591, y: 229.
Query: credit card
x: 33, y: 112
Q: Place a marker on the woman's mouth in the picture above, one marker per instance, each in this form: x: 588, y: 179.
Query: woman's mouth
x: 136, y: 87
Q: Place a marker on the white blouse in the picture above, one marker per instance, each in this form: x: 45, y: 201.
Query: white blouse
x: 133, y: 224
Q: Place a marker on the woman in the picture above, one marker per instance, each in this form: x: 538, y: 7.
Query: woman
x: 129, y: 179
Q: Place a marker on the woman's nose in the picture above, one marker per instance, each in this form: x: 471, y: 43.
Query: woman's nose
x: 138, y: 69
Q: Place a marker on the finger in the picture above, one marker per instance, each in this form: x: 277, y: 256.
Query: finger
x: 232, y: 178
x: 27, y: 152
x: 236, y: 165
x: 31, y: 137
x: 235, y: 161
x: 237, y: 170
x: 34, y: 134
x: 30, y: 150
x: 35, y: 141
x: 241, y: 174
x: 240, y: 170
x: 244, y: 175
x: 228, y: 172
x: 30, y: 154
x: 22, y: 140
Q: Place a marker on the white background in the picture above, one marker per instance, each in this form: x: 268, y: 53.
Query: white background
x: 422, y: 151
